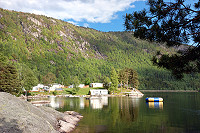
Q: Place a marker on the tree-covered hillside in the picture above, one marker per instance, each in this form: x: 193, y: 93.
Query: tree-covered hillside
x: 40, y: 45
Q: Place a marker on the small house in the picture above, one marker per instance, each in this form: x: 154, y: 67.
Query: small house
x: 98, y: 92
x: 71, y: 86
x: 37, y: 88
x: 81, y: 85
x: 95, y: 85
x: 54, y: 86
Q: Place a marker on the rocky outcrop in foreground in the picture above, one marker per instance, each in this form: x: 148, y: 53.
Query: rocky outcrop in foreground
x: 19, y: 116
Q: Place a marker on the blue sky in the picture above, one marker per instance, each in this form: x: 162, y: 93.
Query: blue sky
x: 102, y: 15
x: 116, y: 24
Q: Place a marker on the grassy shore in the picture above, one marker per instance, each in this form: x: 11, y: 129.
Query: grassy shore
x: 75, y: 91
x: 85, y: 91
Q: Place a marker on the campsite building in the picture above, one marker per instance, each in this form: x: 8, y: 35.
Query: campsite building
x: 37, y: 88
x: 54, y: 86
x: 95, y: 85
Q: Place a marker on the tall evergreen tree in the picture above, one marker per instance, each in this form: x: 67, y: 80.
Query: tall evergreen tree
x: 9, y: 80
x: 133, y: 78
x: 114, y: 80
x: 129, y: 77
x: 49, y: 78
x: 28, y: 79
x: 107, y: 83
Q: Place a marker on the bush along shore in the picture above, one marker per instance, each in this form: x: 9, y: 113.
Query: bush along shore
x: 17, y: 115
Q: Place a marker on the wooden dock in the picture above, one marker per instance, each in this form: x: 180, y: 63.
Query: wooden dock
x: 40, y: 102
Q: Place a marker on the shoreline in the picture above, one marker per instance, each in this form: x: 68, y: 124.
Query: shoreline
x: 169, y: 90
x: 109, y: 95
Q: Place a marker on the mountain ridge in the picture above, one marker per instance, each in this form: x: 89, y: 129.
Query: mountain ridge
x: 44, y: 44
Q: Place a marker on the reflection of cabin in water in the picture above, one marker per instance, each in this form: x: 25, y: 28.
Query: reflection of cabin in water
x: 98, y: 92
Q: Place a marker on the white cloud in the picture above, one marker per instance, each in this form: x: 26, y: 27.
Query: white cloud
x: 86, y: 25
x: 102, y: 11
x: 74, y: 23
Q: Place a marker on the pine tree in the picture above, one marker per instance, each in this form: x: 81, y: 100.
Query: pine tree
x: 9, y: 80
x: 129, y: 77
x: 107, y: 83
x: 114, y: 80
x: 133, y: 78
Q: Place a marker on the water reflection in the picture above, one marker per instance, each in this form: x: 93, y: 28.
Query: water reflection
x: 129, y: 108
x: 129, y: 114
x: 56, y: 102
x: 98, y: 102
x: 82, y: 103
x: 155, y: 105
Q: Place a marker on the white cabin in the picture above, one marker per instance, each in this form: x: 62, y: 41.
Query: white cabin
x: 54, y: 86
x: 37, y: 88
x: 95, y: 85
x: 81, y: 85
x: 98, y: 92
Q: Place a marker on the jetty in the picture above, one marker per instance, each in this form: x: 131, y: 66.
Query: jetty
x: 40, y: 102
x: 134, y: 93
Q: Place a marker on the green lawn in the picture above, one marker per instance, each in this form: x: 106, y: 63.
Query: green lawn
x: 73, y: 91
x: 80, y: 91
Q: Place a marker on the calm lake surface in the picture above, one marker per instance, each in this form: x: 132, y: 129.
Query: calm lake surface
x: 179, y: 113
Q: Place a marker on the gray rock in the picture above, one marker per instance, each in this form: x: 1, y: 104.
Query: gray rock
x: 65, y: 126
x: 19, y: 116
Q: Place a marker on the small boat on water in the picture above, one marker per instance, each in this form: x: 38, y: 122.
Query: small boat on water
x: 154, y: 99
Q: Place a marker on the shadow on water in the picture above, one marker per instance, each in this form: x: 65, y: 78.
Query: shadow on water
x: 9, y: 126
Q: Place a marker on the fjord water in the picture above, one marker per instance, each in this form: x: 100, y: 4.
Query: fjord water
x: 179, y: 113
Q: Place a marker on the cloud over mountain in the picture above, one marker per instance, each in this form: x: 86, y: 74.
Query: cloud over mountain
x: 95, y: 11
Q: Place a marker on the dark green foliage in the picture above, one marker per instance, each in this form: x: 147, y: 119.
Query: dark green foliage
x: 49, y: 78
x: 28, y: 79
x: 174, y: 23
x: 133, y: 78
x: 87, y: 81
x: 76, y: 82
x: 114, y: 80
x: 107, y: 83
x: 128, y: 78
x: 9, y: 80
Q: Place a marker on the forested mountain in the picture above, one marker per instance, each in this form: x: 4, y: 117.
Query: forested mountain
x: 41, y: 46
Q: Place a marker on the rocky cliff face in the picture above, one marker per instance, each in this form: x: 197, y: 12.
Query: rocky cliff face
x: 34, y: 28
x: 19, y: 116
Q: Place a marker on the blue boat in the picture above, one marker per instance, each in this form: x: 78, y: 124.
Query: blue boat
x: 154, y: 99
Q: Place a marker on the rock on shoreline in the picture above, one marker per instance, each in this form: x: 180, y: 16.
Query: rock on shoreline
x: 19, y: 116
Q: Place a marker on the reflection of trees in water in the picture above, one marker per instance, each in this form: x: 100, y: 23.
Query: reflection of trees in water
x: 115, y: 112
x: 128, y: 109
